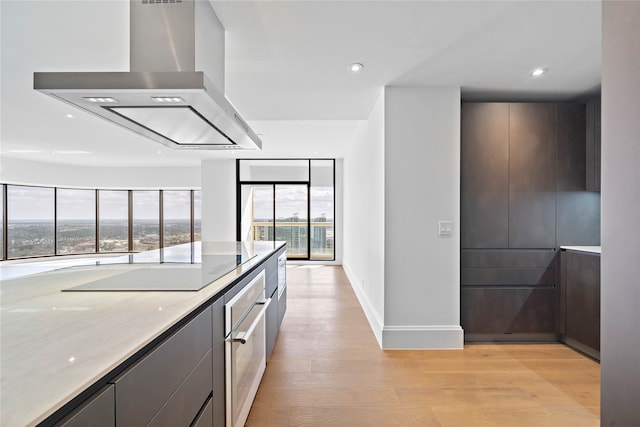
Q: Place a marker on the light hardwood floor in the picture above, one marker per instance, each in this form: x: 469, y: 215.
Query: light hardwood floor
x: 328, y: 370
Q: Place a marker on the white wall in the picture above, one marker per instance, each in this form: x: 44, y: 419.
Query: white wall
x: 17, y: 171
x: 402, y: 176
x: 363, y: 212
x: 219, y: 200
x: 620, y: 269
x: 246, y: 207
x: 422, y: 187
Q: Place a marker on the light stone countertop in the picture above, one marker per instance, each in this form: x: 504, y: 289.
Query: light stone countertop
x: 54, y: 345
x: 589, y: 249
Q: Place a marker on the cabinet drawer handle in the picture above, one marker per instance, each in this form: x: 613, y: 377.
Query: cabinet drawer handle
x: 243, y: 337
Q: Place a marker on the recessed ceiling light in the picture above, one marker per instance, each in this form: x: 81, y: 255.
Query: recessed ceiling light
x: 167, y: 99
x: 356, y: 67
x: 70, y: 116
x: 538, y: 72
x: 101, y: 99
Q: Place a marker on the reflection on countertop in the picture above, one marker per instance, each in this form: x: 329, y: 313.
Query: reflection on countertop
x: 589, y: 249
x: 211, y: 260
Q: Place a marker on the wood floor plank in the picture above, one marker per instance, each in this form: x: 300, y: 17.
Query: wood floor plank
x: 328, y: 370
x: 364, y: 416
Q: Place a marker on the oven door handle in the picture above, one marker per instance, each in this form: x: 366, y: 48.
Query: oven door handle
x: 243, y: 337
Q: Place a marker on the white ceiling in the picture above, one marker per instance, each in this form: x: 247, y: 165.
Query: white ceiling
x: 286, y: 67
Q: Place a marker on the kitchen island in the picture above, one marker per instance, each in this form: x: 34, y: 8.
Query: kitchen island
x: 63, y: 340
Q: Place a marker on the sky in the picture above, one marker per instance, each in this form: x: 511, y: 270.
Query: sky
x: 37, y: 203
x: 291, y: 199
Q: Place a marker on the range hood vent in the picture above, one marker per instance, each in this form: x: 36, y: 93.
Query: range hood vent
x: 163, y: 97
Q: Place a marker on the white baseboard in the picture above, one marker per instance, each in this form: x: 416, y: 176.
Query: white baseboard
x: 372, y: 315
x: 419, y: 337
x: 409, y: 337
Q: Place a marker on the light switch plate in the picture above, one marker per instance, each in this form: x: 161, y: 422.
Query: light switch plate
x: 445, y: 228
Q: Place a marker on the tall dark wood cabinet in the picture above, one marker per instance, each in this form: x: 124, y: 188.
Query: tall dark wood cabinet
x: 532, y: 175
x: 485, y: 175
x: 522, y: 188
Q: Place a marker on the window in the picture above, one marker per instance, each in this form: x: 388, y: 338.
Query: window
x: 292, y: 219
x: 146, y: 220
x: 257, y: 205
x: 46, y: 221
x: 197, y: 216
x: 176, y: 217
x: 2, y: 187
x: 113, y: 220
x: 75, y: 221
x: 290, y: 200
x: 322, y: 209
x: 30, y: 221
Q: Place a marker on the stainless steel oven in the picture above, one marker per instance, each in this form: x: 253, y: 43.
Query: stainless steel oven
x: 244, y: 349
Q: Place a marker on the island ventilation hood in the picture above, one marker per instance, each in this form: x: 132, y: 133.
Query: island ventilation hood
x: 163, y: 97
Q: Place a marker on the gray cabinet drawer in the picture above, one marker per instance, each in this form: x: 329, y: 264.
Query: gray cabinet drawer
x: 282, y: 307
x: 507, y: 267
x: 271, y: 274
x: 271, y: 325
x: 508, y: 311
x: 97, y: 411
x: 205, y: 418
x: 508, y: 276
x: 183, y: 406
x: 145, y: 387
x: 507, y: 258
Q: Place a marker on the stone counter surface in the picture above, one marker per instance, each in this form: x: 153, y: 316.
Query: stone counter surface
x: 54, y: 344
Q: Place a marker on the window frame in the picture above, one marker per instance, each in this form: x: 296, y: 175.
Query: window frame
x: 308, y: 182
x: 4, y: 186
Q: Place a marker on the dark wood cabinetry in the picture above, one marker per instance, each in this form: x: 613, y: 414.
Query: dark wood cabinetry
x: 571, y: 147
x: 532, y: 175
x: 523, y: 194
x: 580, y: 301
x: 495, y: 314
x: 577, y: 211
x: 485, y: 175
x: 593, y: 144
x: 508, y: 294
